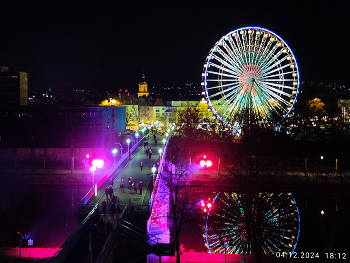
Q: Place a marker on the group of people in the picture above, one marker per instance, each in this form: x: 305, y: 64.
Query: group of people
x: 137, y: 186
x: 112, y: 201
x: 148, y: 152
x: 109, y: 189
x: 114, y: 208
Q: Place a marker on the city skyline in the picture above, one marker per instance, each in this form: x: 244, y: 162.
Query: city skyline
x: 105, y: 45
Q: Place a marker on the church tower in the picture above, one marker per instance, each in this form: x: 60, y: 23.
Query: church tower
x: 143, y: 87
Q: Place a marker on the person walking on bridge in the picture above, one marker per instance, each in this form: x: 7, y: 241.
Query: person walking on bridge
x: 130, y: 182
x: 136, y: 186
x: 141, y: 187
x: 141, y: 165
x: 104, y: 205
x: 113, y: 210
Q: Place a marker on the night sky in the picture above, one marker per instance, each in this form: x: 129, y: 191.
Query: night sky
x: 106, y: 45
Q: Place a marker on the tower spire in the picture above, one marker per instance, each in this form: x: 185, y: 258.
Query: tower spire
x: 143, y: 86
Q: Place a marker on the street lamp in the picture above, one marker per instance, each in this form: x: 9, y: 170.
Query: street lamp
x: 154, y: 169
x: 114, y: 151
x: 137, y: 135
x: 93, y: 169
x: 206, y: 206
x: 96, y: 163
x: 160, y: 151
x: 128, y: 142
x: 121, y: 149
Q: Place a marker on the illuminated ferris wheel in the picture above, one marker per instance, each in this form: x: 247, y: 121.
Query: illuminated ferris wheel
x: 250, y: 75
x: 234, y: 221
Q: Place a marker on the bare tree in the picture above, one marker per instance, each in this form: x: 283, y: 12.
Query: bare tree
x: 183, y: 195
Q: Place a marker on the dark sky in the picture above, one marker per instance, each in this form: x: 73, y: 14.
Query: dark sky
x: 106, y: 44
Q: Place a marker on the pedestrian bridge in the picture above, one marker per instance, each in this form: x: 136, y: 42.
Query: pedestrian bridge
x: 87, y: 243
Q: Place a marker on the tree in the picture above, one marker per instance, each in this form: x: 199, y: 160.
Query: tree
x: 254, y: 169
x: 316, y: 108
x: 183, y: 194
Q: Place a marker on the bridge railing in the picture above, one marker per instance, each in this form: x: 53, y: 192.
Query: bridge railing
x: 107, y: 249
x: 115, y: 166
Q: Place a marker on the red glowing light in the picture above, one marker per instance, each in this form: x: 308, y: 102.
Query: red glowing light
x: 208, y: 163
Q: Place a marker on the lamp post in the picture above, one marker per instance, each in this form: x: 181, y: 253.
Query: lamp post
x: 93, y: 169
x: 96, y: 163
x: 154, y: 169
x: 128, y: 142
x: 114, y: 151
x: 121, y: 149
x: 137, y: 136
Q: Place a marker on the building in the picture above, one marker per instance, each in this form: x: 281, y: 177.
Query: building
x: 13, y: 87
x: 153, y: 115
x: 59, y: 133
x: 143, y: 87
x: 174, y: 108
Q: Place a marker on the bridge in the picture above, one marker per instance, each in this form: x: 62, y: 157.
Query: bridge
x: 89, y: 243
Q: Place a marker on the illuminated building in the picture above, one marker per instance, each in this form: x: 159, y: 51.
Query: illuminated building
x: 143, y: 87
x: 153, y: 115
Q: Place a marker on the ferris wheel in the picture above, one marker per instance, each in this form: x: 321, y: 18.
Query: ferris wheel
x: 227, y: 228
x: 250, y: 75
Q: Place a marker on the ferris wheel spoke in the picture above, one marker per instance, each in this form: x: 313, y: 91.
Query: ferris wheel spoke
x: 277, y: 102
x: 233, y: 48
x: 272, y: 100
x: 230, y: 55
x: 223, y: 62
x: 279, y: 74
x: 240, y: 45
x: 269, y: 58
x: 221, y: 75
x: 280, y: 68
x: 225, y: 94
x: 222, y: 68
x: 272, y: 86
x: 279, y: 80
x: 276, y: 65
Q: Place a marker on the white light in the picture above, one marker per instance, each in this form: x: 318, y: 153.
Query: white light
x: 97, y: 163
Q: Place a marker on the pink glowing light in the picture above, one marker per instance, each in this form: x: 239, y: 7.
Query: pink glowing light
x: 99, y: 163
